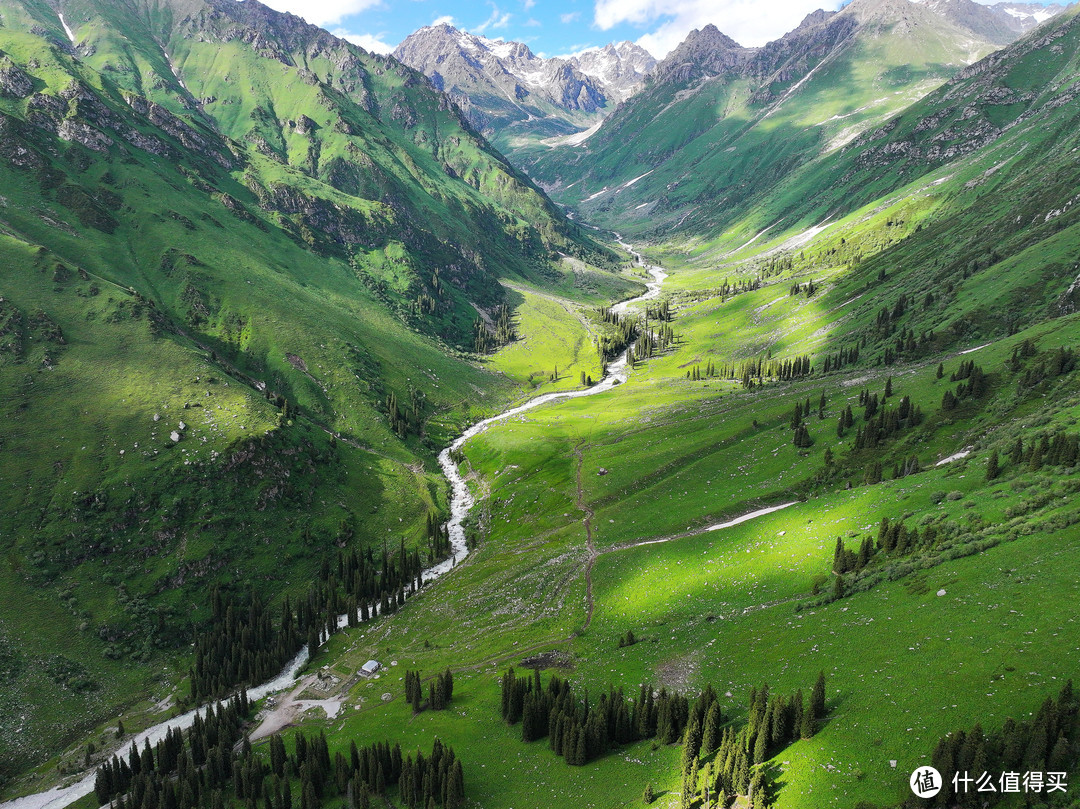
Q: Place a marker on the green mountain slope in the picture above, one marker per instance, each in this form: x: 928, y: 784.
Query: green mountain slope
x: 720, y: 126
x: 967, y: 197
x: 927, y: 264
x: 943, y: 290
x: 239, y: 261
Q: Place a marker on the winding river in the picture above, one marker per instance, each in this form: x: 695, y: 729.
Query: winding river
x: 461, y: 502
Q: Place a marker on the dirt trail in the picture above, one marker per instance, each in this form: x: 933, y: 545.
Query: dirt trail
x: 587, y: 521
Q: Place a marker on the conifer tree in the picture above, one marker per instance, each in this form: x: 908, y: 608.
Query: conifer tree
x: 455, y: 788
x: 691, y: 743
x: 807, y: 725
x: 1017, y: 453
x: 710, y: 735
x: 689, y: 790
x: 761, y: 745
x: 757, y: 789
x: 648, y: 796
x: 1037, y: 452
x: 817, y: 697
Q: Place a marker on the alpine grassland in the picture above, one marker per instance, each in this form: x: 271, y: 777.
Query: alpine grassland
x: 253, y: 283
x: 741, y: 605
x: 225, y: 332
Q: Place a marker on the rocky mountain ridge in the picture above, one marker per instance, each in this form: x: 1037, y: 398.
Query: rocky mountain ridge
x: 507, y: 90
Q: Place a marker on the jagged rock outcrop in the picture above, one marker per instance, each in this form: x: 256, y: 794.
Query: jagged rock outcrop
x: 705, y: 52
x: 619, y: 68
x: 503, y: 85
x: 14, y: 82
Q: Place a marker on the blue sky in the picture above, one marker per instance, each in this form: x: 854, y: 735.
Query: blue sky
x: 555, y: 27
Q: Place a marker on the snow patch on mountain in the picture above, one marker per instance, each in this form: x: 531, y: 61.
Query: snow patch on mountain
x: 479, y: 72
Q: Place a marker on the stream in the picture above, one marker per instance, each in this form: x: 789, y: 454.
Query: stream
x: 461, y: 502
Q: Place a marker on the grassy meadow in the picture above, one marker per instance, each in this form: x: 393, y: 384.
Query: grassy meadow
x: 752, y: 603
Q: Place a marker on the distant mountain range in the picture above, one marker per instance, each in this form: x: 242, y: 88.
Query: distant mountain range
x: 521, y: 101
x: 718, y: 125
x: 509, y: 93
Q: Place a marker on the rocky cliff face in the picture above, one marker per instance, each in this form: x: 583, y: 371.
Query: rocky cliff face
x: 504, y: 87
x: 465, y: 65
x: 1022, y: 17
x: 619, y: 68
x: 705, y: 52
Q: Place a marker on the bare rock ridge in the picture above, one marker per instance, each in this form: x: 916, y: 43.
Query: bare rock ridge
x: 620, y: 68
x: 501, y: 85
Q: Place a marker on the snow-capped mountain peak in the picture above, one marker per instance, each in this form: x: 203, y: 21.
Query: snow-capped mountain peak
x: 499, y: 84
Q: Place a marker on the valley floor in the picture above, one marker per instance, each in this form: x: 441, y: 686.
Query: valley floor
x: 678, y: 509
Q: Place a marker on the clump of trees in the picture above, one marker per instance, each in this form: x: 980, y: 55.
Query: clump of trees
x: 1047, y: 743
x: 406, y: 419
x: 894, y: 539
x: 486, y: 340
x: 719, y: 761
x: 212, y: 765
x: 845, y: 356
x: 241, y: 645
x: 773, y: 722
x: 184, y: 770
x: 973, y: 384
x: 802, y: 438
x: 1039, y: 367
x: 440, y: 691
x: 580, y: 730
x: 623, y: 333
x: 695, y: 374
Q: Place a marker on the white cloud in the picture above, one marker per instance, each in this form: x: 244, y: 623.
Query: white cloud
x: 745, y: 21
x: 369, y: 42
x: 570, y: 17
x: 528, y: 4
x: 498, y: 19
x: 445, y: 18
x: 532, y: 22
x: 323, y: 12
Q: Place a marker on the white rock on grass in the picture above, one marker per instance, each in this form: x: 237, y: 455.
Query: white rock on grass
x: 941, y: 592
x: 174, y: 436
